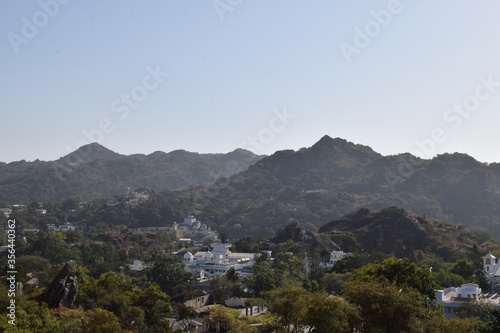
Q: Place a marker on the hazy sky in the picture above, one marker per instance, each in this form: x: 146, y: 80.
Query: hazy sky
x: 212, y: 76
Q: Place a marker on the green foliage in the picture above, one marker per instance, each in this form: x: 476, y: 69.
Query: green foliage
x: 334, y: 282
x: 228, y: 319
x: 185, y: 314
x: 30, y: 317
x: 289, y: 304
x: 51, y: 246
x: 138, y: 304
x: 402, y: 273
x: 326, y: 313
x: 168, y: 271
x: 385, y: 307
x: 349, y: 243
x: 447, y: 279
x: 296, y: 309
x: 263, y: 279
x: 101, y: 321
x: 464, y: 268
x: 455, y: 325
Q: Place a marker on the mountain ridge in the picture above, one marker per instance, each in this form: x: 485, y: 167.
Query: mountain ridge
x: 333, y: 177
x: 94, y: 171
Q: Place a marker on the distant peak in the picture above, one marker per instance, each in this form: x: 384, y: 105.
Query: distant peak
x: 90, y: 152
x: 341, y: 146
x: 326, y: 139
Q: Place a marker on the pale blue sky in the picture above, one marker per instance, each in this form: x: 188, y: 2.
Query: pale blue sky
x: 228, y: 78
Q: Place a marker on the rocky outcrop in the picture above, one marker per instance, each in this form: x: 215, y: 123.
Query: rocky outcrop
x: 63, y: 289
x: 396, y: 231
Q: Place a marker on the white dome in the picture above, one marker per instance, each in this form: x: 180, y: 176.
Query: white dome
x: 188, y: 255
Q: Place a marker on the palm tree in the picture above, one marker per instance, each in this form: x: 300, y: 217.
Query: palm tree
x: 92, y: 293
x: 232, y: 275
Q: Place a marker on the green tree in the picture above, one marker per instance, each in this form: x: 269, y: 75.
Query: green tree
x: 220, y: 289
x: 263, y: 278
x: 289, y: 304
x: 454, y: 325
x: 185, y: 314
x: 228, y: 319
x: 446, y: 279
x: 151, y: 296
x: 30, y: 317
x: 385, y: 307
x: 334, y: 282
x: 402, y: 273
x: 326, y: 313
x: 325, y: 256
x: 168, y: 271
x: 101, y: 321
x: 464, y: 268
x: 349, y: 243
x: 91, y: 293
x: 232, y: 275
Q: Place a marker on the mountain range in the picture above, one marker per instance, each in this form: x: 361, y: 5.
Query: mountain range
x: 334, y: 177
x: 93, y: 171
x: 240, y: 193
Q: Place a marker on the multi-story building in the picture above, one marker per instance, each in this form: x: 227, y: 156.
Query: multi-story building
x: 210, y: 264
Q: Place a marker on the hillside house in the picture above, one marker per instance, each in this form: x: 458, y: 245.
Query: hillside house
x: 491, y: 266
x: 63, y: 228
x: 452, y: 298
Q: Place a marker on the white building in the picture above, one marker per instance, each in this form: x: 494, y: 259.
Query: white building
x: 217, y: 262
x: 452, y: 298
x: 491, y: 266
x: 137, y: 266
x: 189, y: 220
x: 63, y: 228
x: 334, y: 257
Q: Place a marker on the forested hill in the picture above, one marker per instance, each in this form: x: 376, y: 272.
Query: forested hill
x: 333, y: 177
x: 399, y: 232
x: 94, y: 171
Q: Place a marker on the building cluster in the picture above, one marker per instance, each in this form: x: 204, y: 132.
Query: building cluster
x: 130, y: 198
x: 193, y: 230
x: 453, y: 298
x: 206, y: 265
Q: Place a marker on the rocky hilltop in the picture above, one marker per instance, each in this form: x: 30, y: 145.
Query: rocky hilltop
x: 392, y: 231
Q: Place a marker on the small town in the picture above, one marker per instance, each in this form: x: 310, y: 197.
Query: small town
x: 233, y: 166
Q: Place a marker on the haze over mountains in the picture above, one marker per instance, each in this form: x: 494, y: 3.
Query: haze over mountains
x: 258, y: 194
x: 334, y: 177
x: 94, y: 171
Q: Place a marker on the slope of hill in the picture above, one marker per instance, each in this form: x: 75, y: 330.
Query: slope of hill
x: 397, y: 231
x: 334, y: 177
x: 391, y: 230
x: 94, y: 171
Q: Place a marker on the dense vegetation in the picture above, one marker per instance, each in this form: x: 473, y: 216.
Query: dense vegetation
x: 369, y: 291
